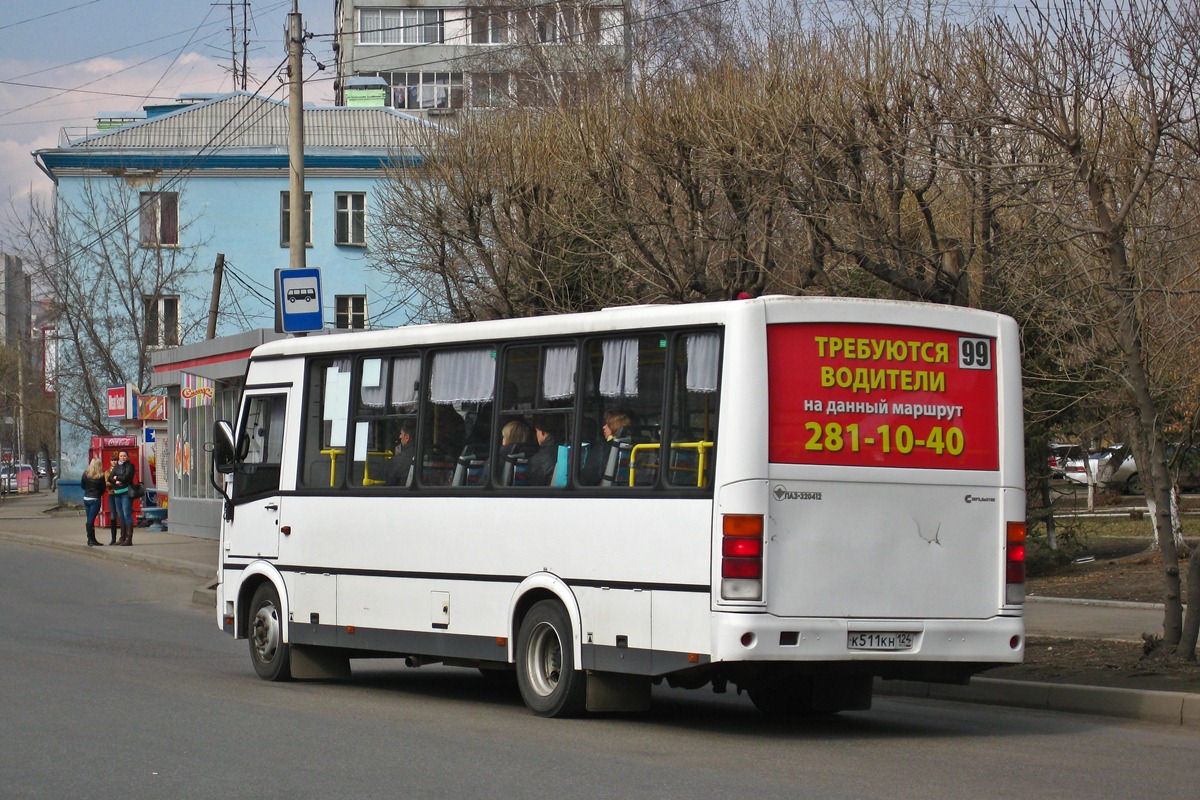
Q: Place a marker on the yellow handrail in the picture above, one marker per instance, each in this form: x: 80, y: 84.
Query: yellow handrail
x: 334, y: 452
x: 701, y: 449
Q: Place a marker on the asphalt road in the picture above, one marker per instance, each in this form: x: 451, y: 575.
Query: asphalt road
x: 112, y: 685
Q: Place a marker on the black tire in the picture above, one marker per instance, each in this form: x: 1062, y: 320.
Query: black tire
x: 550, y: 684
x: 1134, y: 484
x: 268, y: 652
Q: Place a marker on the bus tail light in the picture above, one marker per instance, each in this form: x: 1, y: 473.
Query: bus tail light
x: 741, y: 556
x: 1014, y: 564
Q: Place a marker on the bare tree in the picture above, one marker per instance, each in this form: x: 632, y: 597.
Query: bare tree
x: 91, y: 267
x: 491, y: 227
x: 1105, y: 99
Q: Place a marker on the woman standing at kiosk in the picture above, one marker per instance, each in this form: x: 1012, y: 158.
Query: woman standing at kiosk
x: 120, y: 481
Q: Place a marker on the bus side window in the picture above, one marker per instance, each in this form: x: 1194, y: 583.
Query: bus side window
x: 263, y: 428
x: 539, y: 392
x: 626, y: 382
x: 458, y: 409
x: 323, y: 458
x: 693, y: 410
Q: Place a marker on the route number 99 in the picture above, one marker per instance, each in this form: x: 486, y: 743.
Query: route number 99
x: 974, y: 353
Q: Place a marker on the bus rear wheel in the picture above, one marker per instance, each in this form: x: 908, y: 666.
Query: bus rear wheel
x: 268, y: 651
x: 550, y: 684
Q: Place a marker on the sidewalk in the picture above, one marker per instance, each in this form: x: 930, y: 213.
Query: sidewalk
x: 27, y: 518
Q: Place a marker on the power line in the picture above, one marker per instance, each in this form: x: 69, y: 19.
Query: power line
x: 15, y: 81
x: 184, y: 171
x: 48, y: 14
x: 178, y: 53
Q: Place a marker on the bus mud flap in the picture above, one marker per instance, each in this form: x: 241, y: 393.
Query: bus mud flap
x: 319, y: 662
x: 614, y: 691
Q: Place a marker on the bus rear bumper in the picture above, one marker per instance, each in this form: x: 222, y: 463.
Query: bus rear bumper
x: 762, y: 637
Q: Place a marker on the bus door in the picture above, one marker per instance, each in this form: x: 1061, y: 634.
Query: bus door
x: 254, y: 530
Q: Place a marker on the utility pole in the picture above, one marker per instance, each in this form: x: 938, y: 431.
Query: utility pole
x: 297, y: 231
x: 245, y: 43
x: 214, y: 302
x: 233, y: 45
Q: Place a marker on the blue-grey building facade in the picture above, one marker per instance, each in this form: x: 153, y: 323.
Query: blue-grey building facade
x: 204, y: 181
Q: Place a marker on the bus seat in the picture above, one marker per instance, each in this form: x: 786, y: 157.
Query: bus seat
x: 516, y: 470
x: 470, y: 469
x: 616, y: 470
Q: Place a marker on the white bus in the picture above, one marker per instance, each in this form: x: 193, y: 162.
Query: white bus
x: 792, y: 495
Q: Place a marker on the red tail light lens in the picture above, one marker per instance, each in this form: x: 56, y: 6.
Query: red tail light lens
x: 741, y: 556
x: 1014, y: 567
x: 741, y: 548
x: 741, y: 568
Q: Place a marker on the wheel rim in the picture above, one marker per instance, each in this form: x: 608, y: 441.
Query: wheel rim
x: 266, y: 632
x: 544, y: 660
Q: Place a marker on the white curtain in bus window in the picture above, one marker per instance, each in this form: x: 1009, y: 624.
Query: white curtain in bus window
x: 703, y: 360
x: 337, y: 401
x: 619, y: 372
x: 558, y: 374
x: 372, y: 391
x: 406, y: 376
x: 463, y: 376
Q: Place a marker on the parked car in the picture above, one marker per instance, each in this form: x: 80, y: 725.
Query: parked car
x: 1060, y: 454
x: 12, y: 478
x: 1114, y: 467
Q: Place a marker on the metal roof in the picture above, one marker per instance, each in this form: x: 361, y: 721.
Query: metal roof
x: 244, y: 120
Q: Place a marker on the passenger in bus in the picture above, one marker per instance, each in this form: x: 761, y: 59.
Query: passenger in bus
x: 541, y: 464
x: 618, y: 423
x: 517, y: 439
x: 400, y: 468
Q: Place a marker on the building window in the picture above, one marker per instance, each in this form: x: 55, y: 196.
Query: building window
x: 422, y: 90
x: 351, y: 225
x: 350, y: 311
x: 285, y: 219
x: 489, y: 89
x: 161, y: 320
x: 608, y: 27
x: 400, y: 26
x: 159, y: 218
x: 489, y: 25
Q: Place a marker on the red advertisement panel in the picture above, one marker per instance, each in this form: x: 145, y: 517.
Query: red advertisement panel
x: 864, y: 395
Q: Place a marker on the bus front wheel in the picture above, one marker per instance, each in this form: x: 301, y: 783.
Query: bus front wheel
x: 550, y: 684
x: 268, y: 652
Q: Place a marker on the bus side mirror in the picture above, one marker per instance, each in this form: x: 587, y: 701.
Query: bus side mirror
x: 224, y: 456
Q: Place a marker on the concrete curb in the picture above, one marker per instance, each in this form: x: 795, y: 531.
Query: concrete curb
x: 1172, y: 708
x: 123, y: 554
x: 1037, y: 598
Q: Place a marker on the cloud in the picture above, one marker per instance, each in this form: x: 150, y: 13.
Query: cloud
x: 51, y: 104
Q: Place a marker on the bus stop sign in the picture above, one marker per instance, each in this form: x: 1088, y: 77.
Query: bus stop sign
x: 298, y: 301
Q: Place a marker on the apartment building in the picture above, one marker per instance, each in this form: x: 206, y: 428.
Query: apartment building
x: 439, y: 58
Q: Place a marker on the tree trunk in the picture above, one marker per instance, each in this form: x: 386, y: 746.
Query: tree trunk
x: 1191, y: 623
x: 1177, y: 521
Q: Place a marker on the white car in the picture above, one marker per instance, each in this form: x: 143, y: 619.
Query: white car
x: 1115, y: 468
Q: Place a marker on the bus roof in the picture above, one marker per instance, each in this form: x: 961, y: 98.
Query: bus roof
x: 608, y: 320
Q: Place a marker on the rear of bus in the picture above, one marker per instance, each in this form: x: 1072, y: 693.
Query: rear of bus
x: 870, y: 502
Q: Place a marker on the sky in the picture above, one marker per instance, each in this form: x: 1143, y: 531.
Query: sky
x: 64, y: 61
